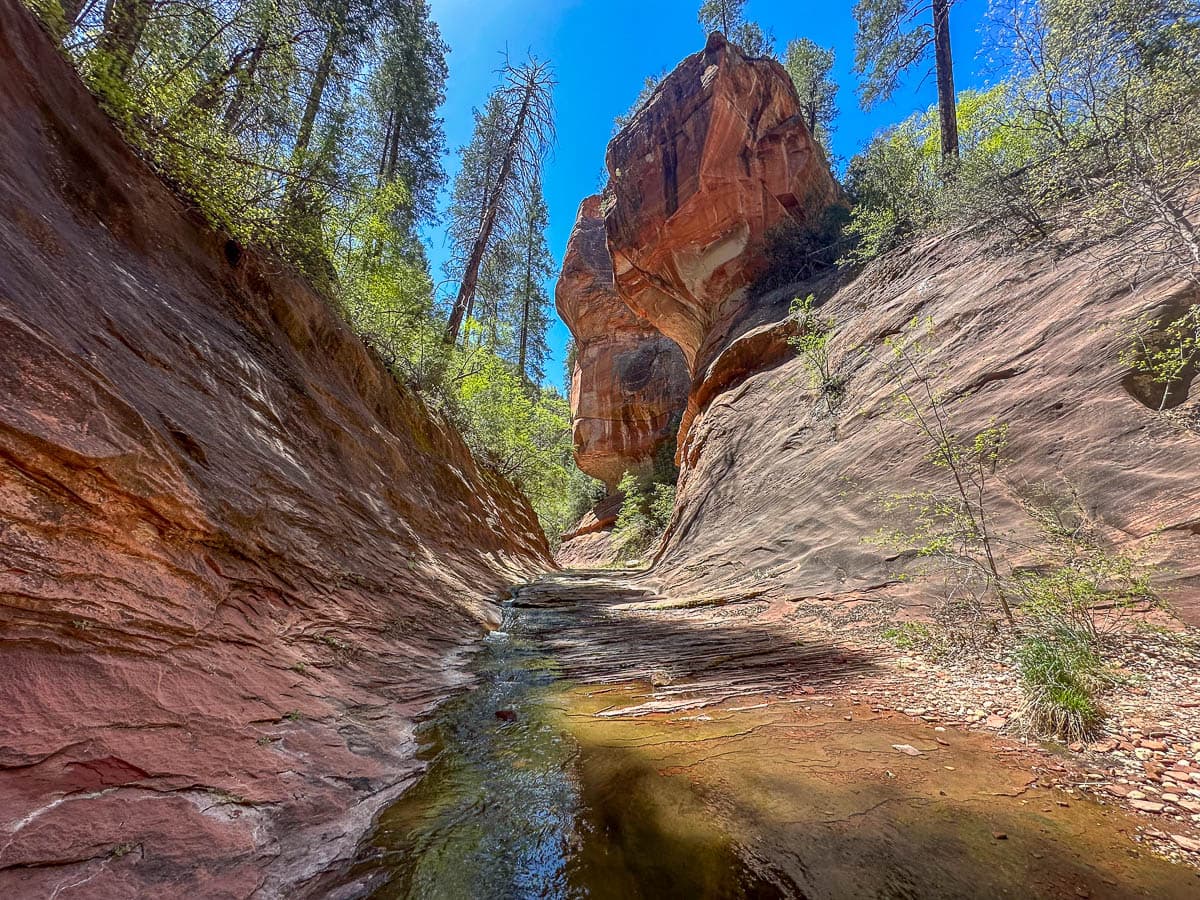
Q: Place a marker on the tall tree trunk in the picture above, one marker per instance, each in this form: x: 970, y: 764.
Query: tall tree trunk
x: 316, y: 93
x: 382, y: 172
x: 245, y: 78
x: 947, y: 114
x: 124, y: 24
x: 466, y: 290
x: 522, y: 351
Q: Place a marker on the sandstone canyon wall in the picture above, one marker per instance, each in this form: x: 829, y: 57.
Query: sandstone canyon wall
x: 629, y: 383
x: 779, y: 499
x: 236, y: 559
x: 716, y: 158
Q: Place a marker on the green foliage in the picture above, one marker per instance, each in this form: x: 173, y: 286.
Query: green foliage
x: 1094, y: 131
x: 809, y: 66
x: 797, y: 250
x: 649, y: 86
x: 727, y: 17
x: 1061, y: 674
x: 522, y: 431
x: 900, y: 187
x: 645, y: 513
x: 909, y: 635
x: 812, y: 344
x: 1165, y: 353
x: 1108, y: 96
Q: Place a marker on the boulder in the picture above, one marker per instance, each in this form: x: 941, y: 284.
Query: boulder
x: 716, y: 158
x: 629, y: 383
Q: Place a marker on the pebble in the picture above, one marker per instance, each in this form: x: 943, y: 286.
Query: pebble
x: 1147, y: 806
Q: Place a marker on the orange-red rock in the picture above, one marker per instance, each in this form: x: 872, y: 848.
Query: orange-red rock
x: 778, y: 498
x: 716, y: 158
x: 236, y: 559
x: 629, y: 384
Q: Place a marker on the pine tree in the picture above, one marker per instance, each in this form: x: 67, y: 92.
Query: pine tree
x: 518, y: 130
x: 809, y: 66
x: 726, y: 16
x: 885, y: 50
x: 406, y: 88
x: 532, y: 299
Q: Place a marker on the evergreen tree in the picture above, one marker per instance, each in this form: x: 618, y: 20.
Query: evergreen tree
x: 532, y: 299
x: 518, y: 129
x: 809, y: 66
x: 406, y: 89
x: 888, y: 44
x: 726, y: 16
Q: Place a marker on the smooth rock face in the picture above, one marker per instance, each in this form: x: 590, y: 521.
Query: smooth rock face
x: 629, y: 384
x: 776, y: 499
x: 716, y: 158
x: 236, y: 559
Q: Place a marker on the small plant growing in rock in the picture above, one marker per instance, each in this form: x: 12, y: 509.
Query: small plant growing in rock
x: 644, y: 516
x: 909, y: 635
x: 1164, y: 352
x: 954, y: 526
x: 812, y: 345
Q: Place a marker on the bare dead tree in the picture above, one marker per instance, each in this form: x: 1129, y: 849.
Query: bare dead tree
x: 526, y: 93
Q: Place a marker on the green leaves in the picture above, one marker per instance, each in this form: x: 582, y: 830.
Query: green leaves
x: 1164, y: 352
x: 812, y: 344
x: 809, y: 66
x: 645, y: 513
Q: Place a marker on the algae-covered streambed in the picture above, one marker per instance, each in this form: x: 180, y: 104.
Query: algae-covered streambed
x: 562, y: 775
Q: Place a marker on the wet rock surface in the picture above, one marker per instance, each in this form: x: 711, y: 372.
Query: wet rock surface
x: 687, y: 766
x: 236, y: 559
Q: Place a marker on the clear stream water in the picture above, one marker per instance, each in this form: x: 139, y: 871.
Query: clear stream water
x: 503, y: 811
x: 536, y: 790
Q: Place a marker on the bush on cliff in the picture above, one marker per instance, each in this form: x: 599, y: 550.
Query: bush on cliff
x: 645, y: 513
x: 1095, y: 127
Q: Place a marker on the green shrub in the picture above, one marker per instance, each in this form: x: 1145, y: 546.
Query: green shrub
x: 797, y: 251
x: 909, y: 635
x: 1061, y: 674
x: 812, y: 345
x: 1165, y: 352
x: 645, y: 513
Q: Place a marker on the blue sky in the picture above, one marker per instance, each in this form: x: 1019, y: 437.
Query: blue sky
x: 603, y: 50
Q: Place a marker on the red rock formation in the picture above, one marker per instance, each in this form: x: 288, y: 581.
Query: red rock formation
x: 589, y: 544
x: 629, y: 383
x: 715, y: 159
x: 236, y: 559
x: 775, y: 502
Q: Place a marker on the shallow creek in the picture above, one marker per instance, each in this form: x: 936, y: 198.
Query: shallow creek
x: 614, y: 749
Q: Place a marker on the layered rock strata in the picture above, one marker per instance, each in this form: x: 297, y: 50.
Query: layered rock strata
x: 236, y: 559
x: 717, y: 158
x: 780, y: 498
x: 629, y: 383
